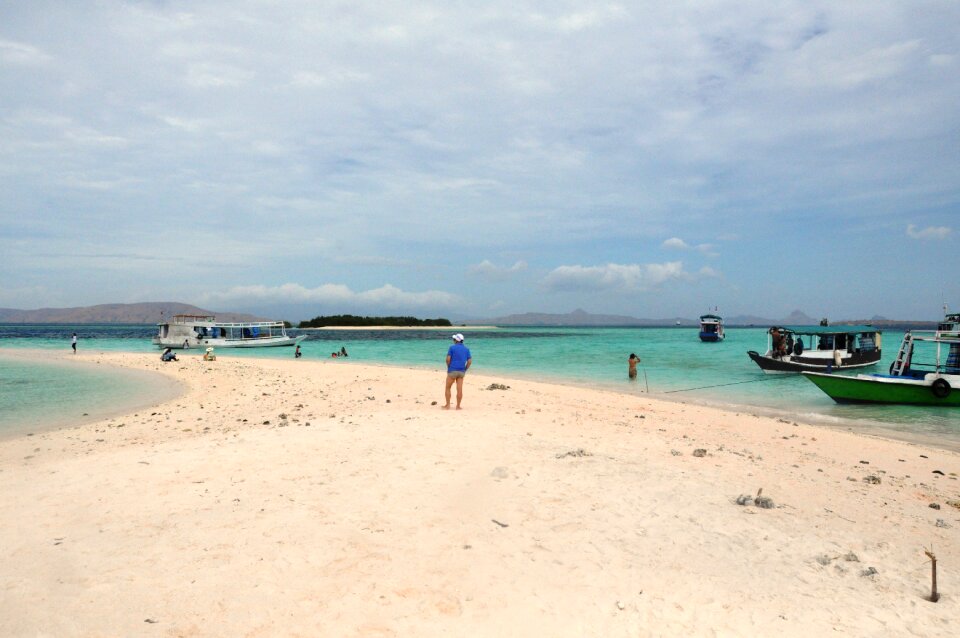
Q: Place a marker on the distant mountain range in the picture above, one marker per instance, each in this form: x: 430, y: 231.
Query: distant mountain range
x: 150, y: 312
x: 581, y: 317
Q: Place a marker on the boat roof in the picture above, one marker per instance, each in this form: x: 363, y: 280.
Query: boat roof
x: 718, y: 317
x: 830, y: 330
x: 186, y: 318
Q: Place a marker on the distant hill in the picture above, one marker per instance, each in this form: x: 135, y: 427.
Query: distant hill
x: 150, y: 312
x: 795, y: 318
x: 578, y: 317
x: 581, y: 317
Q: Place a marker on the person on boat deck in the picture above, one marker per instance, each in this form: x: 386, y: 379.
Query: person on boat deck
x: 779, y: 347
x: 168, y: 355
x: 632, y: 365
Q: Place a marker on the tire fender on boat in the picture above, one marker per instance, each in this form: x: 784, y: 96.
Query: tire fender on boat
x: 940, y: 388
x: 837, y: 359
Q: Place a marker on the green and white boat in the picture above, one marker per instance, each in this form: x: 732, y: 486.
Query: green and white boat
x: 925, y: 372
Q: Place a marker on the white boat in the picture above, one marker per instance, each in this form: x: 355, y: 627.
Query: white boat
x: 711, y: 328
x: 202, y: 331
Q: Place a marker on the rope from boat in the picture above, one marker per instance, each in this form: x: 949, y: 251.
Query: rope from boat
x: 720, y: 385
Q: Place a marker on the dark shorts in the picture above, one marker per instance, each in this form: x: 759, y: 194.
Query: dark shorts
x: 456, y: 374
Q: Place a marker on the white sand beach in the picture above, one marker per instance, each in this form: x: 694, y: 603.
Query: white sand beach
x: 327, y: 498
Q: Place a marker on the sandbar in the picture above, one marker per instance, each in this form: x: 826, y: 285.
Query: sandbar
x: 305, y: 498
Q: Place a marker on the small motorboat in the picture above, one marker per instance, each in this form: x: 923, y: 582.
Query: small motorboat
x: 711, y: 328
x: 820, y: 348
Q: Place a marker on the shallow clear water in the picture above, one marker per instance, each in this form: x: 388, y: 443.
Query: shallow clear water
x: 39, y: 395
x: 675, y: 364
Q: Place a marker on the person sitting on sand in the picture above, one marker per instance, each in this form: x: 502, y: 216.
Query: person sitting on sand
x: 168, y: 355
x: 632, y: 365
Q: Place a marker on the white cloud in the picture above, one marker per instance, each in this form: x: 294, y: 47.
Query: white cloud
x: 708, y: 249
x: 930, y: 232
x: 213, y: 75
x: 411, y: 132
x: 707, y: 271
x: 488, y: 270
x: 386, y: 296
x: 21, y: 54
x: 191, y: 125
x: 625, y: 277
x: 675, y: 242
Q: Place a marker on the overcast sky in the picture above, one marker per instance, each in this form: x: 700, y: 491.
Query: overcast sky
x: 477, y: 159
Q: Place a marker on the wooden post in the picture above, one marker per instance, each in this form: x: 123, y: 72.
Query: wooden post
x: 934, y: 596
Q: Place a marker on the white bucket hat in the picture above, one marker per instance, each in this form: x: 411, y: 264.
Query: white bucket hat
x: 458, y: 337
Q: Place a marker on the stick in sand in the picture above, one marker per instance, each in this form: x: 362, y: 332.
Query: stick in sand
x: 934, y: 596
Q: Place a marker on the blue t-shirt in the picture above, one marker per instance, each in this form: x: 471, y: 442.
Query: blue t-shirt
x: 459, y: 354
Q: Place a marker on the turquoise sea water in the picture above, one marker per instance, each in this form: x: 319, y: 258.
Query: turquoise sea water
x: 675, y: 365
x: 38, y: 395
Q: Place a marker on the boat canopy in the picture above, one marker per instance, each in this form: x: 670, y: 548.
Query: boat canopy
x: 717, y: 317
x: 829, y: 330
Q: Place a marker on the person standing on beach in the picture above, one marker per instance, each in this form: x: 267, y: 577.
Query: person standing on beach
x: 632, y: 365
x: 458, y: 362
x: 73, y: 343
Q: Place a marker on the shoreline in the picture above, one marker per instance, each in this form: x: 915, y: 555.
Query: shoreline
x: 859, y: 426
x: 306, y: 497
x: 154, y: 389
x: 437, y: 328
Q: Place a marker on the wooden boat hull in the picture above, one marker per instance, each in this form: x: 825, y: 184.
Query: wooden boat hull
x: 884, y: 389
x: 794, y: 363
x: 185, y: 343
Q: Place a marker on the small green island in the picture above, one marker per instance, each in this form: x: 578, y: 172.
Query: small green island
x: 353, y: 320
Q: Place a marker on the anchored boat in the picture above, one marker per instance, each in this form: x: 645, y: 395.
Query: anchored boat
x: 926, y: 371
x: 195, y: 331
x: 711, y: 328
x: 818, y: 348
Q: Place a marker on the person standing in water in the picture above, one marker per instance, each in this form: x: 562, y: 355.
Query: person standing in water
x: 73, y: 343
x: 458, y: 362
x: 632, y: 365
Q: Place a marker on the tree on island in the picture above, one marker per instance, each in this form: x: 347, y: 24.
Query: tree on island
x: 353, y: 320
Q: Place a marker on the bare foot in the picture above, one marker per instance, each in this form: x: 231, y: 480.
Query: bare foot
x: 445, y: 407
x: 459, y: 408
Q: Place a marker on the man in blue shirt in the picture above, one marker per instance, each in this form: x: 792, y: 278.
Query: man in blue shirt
x: 458, y: 362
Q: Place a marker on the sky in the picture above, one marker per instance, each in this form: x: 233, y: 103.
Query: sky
x: 470, y: 160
